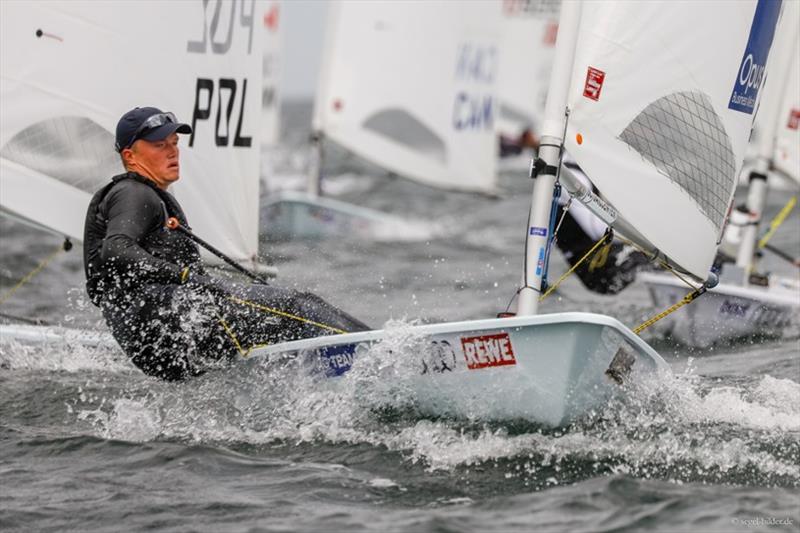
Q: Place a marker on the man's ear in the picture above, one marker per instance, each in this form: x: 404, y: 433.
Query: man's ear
x: 127, y: 157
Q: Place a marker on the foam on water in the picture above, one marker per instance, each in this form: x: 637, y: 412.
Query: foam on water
x: 680, y: 428
x: 61, y: 349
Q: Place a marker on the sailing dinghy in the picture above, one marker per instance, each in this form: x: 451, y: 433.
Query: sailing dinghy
x: 409, y: 87
x: 639, y: 103
x: 743, y: 305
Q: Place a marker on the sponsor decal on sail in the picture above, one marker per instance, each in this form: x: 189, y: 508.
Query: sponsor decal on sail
x: 754, y: 61
x: 594, y: 83
x: 485, y: 351
x: 794, y: 119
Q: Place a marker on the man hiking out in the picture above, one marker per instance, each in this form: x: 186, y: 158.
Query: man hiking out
x: 170, y: 317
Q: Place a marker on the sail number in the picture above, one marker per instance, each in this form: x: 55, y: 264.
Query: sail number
x: 220, y: 37
x: 475, y: 73
x: 226, y: 91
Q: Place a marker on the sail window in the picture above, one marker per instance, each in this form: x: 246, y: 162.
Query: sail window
x: 74, y: 150
x: 685, y: 139
x: 402, y: 128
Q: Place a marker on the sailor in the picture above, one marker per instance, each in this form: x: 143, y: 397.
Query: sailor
x: 512, y: 146
x: 613, y: 266
x: 169, y: 316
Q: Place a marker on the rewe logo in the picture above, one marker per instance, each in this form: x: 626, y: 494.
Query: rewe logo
x: 594, y: 83
x: 488, y: 350
x: 794, y: 119
x: 754, y: 60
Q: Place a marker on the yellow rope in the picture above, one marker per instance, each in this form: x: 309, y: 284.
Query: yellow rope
x: 30, y: 274
x: 232, y: 335
x: 777, y: 221
x: 686, y: 299
x: 284, y: 314
x: 245, y: 352
x: 604, y: 239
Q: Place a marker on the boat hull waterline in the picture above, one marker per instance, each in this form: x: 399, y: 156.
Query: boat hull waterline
x: 546, y: 369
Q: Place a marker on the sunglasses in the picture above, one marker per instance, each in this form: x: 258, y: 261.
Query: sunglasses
x: 150, y: 123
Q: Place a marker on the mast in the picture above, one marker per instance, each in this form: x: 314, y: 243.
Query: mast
x: 314, y: 177
x: 776, y: 86
x: 549, y: 152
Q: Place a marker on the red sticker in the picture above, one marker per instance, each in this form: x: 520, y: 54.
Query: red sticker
x: 271, y: 18
x: 550, y: 34
x: 594, y: 83
x: 794, y: 119
x: 488, y: 350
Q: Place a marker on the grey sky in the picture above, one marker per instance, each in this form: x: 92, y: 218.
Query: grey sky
x: 303, y: 33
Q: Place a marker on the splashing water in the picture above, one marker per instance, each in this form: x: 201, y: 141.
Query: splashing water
x: 681, y: 428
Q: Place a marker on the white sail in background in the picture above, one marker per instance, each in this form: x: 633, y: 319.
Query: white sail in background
x: 527, y: 46
x: 410, y: 86
x: 71, y: 69
x: 270, y: 21
x: 786, y: 79
x: 662, y: 101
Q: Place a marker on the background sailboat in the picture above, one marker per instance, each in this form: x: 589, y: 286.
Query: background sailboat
x: 527, y: 45
x: 70, y: 70
x: 408, y: 87
x: 746, y: 302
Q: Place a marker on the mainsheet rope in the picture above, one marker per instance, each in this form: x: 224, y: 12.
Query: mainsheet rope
x: 245, y: 352
x: 65, y: 246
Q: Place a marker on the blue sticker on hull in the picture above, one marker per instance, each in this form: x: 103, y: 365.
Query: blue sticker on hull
x: 339, y: 358
x: 751, y: 70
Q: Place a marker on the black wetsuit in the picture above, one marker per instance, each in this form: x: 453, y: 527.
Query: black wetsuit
x: 609, y: 270
x: 173, y: 326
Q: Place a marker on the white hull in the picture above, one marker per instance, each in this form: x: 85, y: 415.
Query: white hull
x: 548, y: 369
x: 724, y: 313
x: 51, y: 335
x: 298, y: 215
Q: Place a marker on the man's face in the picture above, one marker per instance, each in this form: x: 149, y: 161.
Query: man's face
x: 157, y: 160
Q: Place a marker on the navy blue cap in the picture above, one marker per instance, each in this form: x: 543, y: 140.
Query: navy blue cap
x: 131, y: 127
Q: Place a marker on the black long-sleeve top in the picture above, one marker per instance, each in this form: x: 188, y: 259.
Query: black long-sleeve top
x: 126, y: 243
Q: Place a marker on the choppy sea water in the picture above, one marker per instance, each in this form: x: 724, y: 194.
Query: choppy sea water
x: 88, y: 443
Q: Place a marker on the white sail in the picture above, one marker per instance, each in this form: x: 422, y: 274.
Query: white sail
x: 410, y: 86
x: 271, y: 72
x: 527, y: 46
x: 786, y: 78
x: 662, y: 100
x: 71, y: 69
